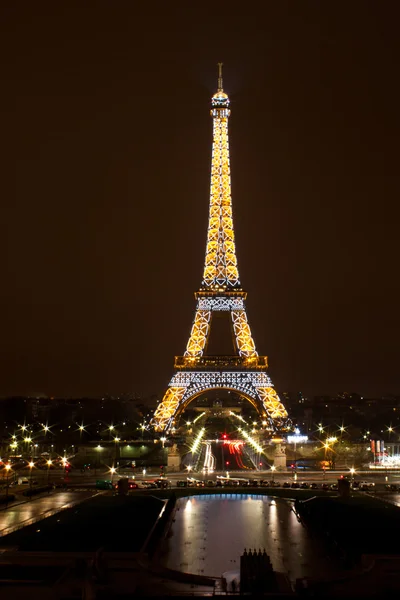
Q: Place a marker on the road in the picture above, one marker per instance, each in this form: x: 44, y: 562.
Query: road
x: 22, y: 514
x: 210, y: 533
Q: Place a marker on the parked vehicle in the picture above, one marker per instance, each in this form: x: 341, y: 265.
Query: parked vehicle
x: 313, y: 486
x: 304, y: 485
x: 286, y: 484
x: 104, y: 484
x: 295, y: 484
x: 391, y: 487
x: 325, y: 487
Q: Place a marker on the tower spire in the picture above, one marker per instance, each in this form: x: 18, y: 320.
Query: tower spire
x: 220, y: 268
x: 220, y: 84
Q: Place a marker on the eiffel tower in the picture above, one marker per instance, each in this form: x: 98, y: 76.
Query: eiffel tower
x: 245, y: 371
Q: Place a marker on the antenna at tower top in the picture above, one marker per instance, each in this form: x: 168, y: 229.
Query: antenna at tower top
x: 220, y: 87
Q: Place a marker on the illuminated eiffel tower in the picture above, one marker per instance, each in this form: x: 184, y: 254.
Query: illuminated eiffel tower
x: 244, y: 372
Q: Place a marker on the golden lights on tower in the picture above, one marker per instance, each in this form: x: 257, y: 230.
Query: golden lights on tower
x: 220, y: 291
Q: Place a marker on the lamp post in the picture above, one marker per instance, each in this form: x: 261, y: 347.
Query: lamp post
x: 31, y: 465
x: 352, y: 471
x: 273, y: 469
x: 112, y: 471
x: 117, y: 449
x: 7, y: 467
x: 49, y: 463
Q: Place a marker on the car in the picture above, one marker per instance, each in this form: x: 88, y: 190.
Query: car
x: 143, y: 485
x: 304, y: 485
x: 313, y: 486
x: 391, y: 487
x: 325, y: 487
x: 199, y: 483
x: 274, y: 483
x: 295, y: 484
x: 218, y: 483
x: 210, y: 483
x: 253, y: 482
x: 133, y: 485
x: 264, y: 483
x: 286, y: 484
x: 334, y: 486
x: 161, y: 483
x: 366, y: 485
x: 181, y: 483
x: 151, y: 485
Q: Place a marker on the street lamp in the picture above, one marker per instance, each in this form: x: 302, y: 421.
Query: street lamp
x: 352, y: 471
x: 49, y: 463
x: 163, y: 439
x: 273, y: 469
x: 31, y: 465
x: 7, y: 467
x: 112, y: 471
x: 189, y: 468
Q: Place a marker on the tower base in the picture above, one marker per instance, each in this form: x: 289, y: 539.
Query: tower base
x: 280, y: 457
x: 173, y: 459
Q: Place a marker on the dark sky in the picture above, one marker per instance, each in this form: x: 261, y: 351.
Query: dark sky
x: 106, y: 146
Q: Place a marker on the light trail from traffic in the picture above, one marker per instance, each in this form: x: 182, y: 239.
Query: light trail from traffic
x: 209, y: 460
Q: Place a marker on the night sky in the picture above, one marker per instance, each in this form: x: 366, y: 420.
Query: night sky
x: 106, y: 148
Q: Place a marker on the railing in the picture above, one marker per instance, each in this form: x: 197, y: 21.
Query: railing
x: 221, y: 362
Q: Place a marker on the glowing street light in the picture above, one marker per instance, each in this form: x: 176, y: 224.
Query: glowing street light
x: 273, y: 469
x: 28, y: 440
x: 7, y: 467
x: 189, y: 468
x: 111, y: 427
x: 163, y: 439
x: 31, y: 465
x: 117, y: 439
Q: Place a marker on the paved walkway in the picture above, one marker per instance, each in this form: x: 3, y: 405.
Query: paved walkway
x: 25, y: 513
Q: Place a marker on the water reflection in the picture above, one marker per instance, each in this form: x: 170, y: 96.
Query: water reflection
x: 211, y: 532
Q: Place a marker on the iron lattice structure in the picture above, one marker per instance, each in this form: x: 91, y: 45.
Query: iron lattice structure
x: 244, y: 372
